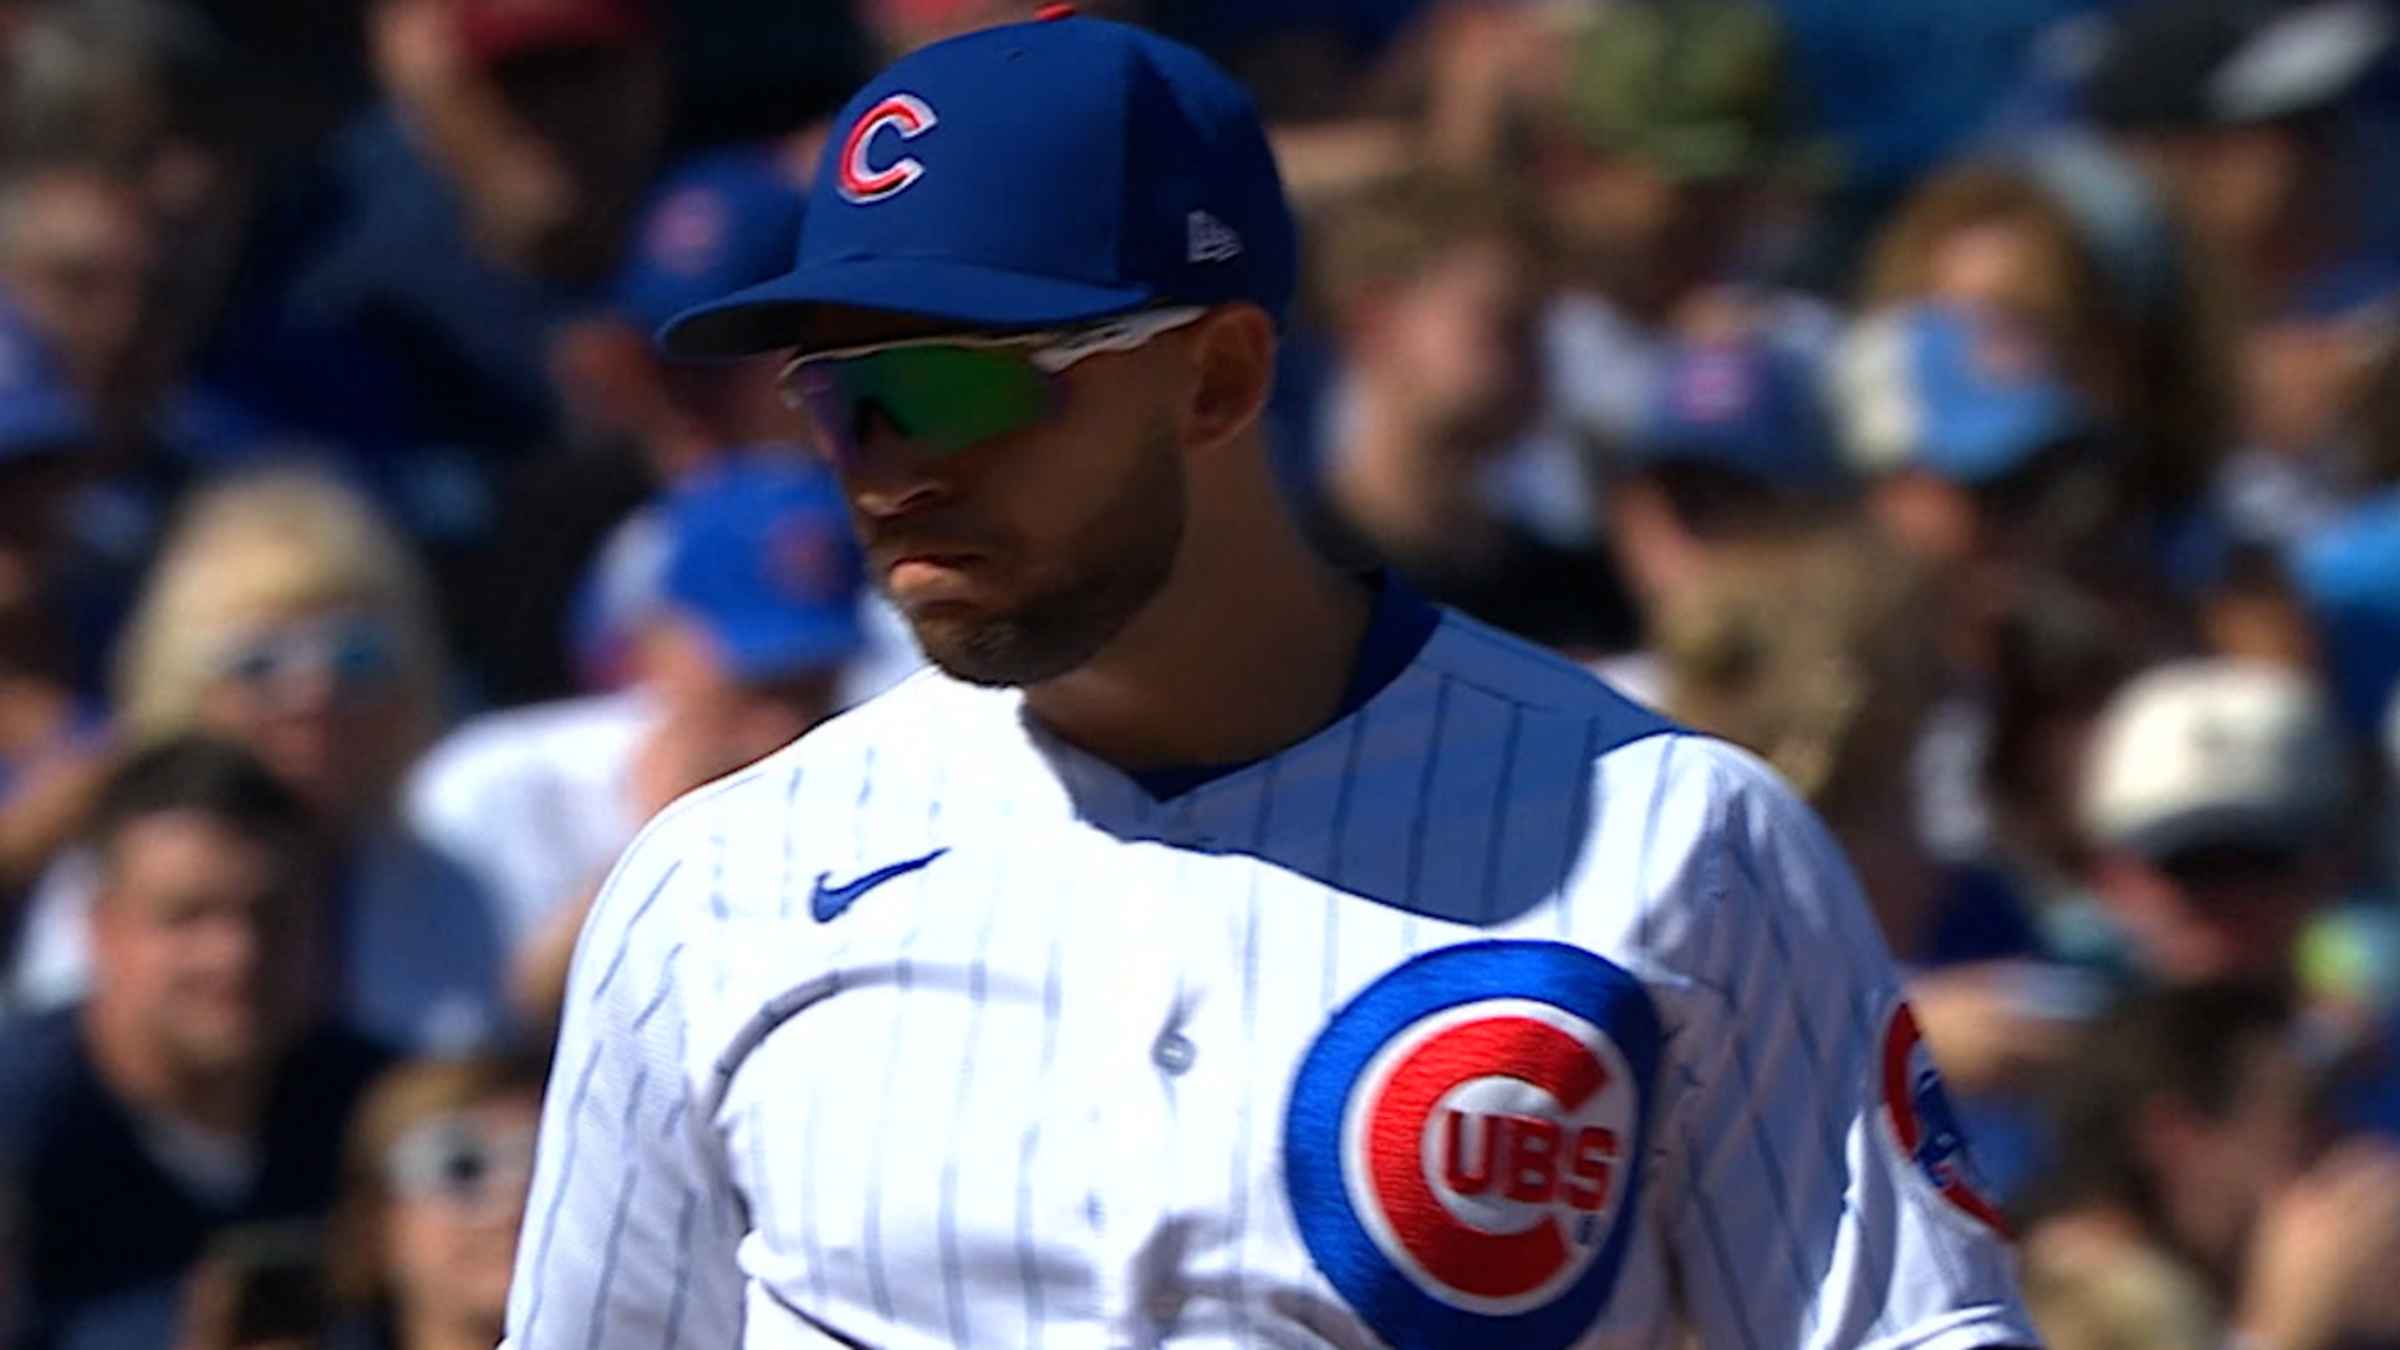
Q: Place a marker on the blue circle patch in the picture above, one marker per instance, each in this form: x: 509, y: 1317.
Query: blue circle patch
x: 1463, y: 1145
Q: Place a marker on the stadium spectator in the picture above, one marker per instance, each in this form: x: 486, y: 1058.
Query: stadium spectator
x: 1984, y: 460
x: 1733, y: 450
x: 447, y: 230
x: 756, y: 616
x: 1434, y: 285
x: 1672, y: 173
x: 47, y: 727
x: 150, y: 91
x: 2217, y: 798
x: 434, y: 1180
x: 286, y: 617
x: 2064, y: 239
x: 2198, y: 1205
x: 2233, y: 109
x: 638, y: 423
x: 200, y: 1086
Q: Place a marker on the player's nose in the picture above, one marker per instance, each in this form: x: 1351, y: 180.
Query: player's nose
x: 889, y: 475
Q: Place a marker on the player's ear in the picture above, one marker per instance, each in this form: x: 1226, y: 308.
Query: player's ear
x: 1233, y: 360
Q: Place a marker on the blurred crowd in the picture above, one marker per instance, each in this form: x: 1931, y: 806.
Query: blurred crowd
x: 1988, y: 411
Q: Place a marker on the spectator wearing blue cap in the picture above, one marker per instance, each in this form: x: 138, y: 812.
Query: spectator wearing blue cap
x: 755, y: 615
x: 1433, y: 285
x: 1732, y: 449
x: 1978, y: 448
x: 718, y: 220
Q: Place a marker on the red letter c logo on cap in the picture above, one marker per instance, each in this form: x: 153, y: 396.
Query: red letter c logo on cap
x: 860, y: 181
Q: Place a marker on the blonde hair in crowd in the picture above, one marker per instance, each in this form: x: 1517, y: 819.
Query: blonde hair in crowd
x: 260, y: 548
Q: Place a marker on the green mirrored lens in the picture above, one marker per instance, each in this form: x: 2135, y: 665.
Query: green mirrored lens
x: 944, y: 399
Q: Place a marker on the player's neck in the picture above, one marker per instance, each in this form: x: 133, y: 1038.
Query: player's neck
x: 1246, y: 650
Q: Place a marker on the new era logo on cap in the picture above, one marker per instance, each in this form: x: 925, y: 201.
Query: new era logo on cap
x: 1212, y: 240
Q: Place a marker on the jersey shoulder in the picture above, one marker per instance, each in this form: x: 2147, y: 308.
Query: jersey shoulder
x: 1536, y: 678
x: 867, y: 784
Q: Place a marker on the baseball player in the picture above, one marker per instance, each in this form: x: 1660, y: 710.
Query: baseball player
x: 1213, y: 948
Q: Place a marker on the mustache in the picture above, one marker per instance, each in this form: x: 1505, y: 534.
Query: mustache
x: 921, y: 537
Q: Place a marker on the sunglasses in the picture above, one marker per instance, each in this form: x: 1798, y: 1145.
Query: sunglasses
x: 944, y: 394
x: 458, y: 1160
x: 355, y: 652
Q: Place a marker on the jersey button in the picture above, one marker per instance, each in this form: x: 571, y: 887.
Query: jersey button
x: 1173, y: 1052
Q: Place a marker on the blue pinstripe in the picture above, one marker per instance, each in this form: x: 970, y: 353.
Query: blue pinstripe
x: 601, y: 1288
x: 1028, y: 1273
x: 1496, y: 829
x: 1417, y: 826
x: 978, y: 977
x: 1333, y: 855
x: 558, y: 1195
x: 683, y: 1270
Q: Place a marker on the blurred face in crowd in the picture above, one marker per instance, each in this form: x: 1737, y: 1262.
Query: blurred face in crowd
x: 1639, y: 232
x: 2239, y: 186
x: 599, y: 115
x: 319, y: 697
x: 456, y: 1185
x: 81, y: 255
x: 2216, y: 911
x: 1460, y: 342
x: 1017, y: 559
x: 204, y: 939
x: 2006, y: 264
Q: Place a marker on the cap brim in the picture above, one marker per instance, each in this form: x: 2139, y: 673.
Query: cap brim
x: 788, y: 313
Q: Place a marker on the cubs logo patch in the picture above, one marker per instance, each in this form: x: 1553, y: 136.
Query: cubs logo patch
x: 1924, y: 1126
x: 859, y: 181
x: 1462, y: 1149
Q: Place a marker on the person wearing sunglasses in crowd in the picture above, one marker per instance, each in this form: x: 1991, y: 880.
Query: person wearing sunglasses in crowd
x: 1215, y: 948
x: 440, y: 1155
x: 283, y: 615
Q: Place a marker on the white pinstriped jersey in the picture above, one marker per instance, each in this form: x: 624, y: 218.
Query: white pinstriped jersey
x: 1496, y: 1013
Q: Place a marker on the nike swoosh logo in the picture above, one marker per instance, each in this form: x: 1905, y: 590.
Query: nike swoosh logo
x: 828, y: 902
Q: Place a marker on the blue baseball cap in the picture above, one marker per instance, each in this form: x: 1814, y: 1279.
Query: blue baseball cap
x: 1748, y: 405
x: 41, y: 415
x: 717, y: 222
x: 1963, y: 393
x: 1025, y: 177
x: 760, y: 553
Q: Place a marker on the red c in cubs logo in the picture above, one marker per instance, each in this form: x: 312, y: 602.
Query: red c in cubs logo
x: 858, y: 180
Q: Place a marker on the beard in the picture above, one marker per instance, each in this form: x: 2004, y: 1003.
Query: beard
x: 1087, y: 586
